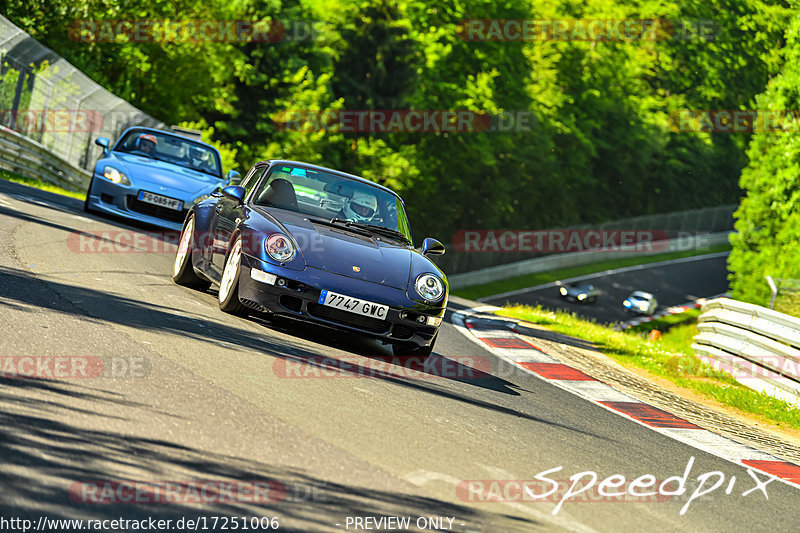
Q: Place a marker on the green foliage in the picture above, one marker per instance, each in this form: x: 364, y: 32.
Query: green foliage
x: 599, y: 146
x: 768, y: 219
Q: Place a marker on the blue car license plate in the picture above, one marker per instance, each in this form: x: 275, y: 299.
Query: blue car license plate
x: 353, y: 305
x: 163, y: 201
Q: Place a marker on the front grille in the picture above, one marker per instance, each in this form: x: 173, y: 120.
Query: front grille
x: 106, y: 198
x: 401, y: 331
x: 291, y: 303
x: 134, y: 204
x: 331, y: 314
x: 253, y: 305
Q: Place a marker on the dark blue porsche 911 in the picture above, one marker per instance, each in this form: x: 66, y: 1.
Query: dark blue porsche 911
x: 319, y: 245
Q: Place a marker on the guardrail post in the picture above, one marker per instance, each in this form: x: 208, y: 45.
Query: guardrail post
x: 773, y: 290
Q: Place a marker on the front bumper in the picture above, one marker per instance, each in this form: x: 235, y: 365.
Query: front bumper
x: 121, y: 201
x: 299, y: 298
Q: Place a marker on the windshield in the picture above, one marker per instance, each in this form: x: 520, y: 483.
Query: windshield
x: 172, y: 149
x: 330, y: 196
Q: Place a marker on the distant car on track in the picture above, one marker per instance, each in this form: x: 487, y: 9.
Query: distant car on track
x: 318, y: 245
x: 578, y: 292
x: 640, y: 302
x: 154, y: 176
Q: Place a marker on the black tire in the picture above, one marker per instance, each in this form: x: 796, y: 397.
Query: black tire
x: 408, y: 349
x: 182, y: 270
x: 229, y: 288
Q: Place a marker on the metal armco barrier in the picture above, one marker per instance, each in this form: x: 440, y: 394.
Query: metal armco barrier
x: 22, y: 155
x: 759, y: 347
x: 51, y: 113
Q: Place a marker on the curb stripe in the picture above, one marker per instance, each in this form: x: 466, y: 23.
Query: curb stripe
x: 652, y: 416
x: 557, y: 371
x: 500, y: 337
x: 508, y: 343
x: 781, y: 469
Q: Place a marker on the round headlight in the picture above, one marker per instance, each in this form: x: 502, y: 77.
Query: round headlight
x: 563, y: 291
x: 112, y: 174
x: 279, y: 247
x: 430, y: 287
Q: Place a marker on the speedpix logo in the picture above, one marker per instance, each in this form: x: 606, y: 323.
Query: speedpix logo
x: 588, y: 487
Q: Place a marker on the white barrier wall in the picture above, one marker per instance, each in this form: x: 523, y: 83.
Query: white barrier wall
x: 759, y: 347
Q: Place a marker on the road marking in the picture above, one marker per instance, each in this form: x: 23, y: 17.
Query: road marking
x: 605, y: 273
x: 562, y: 519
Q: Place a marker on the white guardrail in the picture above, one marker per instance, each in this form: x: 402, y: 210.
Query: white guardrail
x: 27, y: 157
x: 759, y: 347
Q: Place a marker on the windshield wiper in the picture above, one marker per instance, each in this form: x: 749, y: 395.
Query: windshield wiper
x: 338, y: 223
x: 382, y: 230
x: 364, y: 229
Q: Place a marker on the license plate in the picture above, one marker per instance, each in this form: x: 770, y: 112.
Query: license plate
x: 353, y: 305
x: 163, y: 201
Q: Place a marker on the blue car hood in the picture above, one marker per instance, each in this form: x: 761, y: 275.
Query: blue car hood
x: 338, y: 251
x: 157, y: 173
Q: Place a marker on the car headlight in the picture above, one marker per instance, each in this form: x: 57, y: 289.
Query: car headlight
x: 626, y: 303
x: 201, y: 198
x: 279, y: 247
x: 430, y: 287
x: 563, y: 291
x: 114, y: 175
x: 581, y: 297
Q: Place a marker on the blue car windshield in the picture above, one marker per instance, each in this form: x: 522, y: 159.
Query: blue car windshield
x: 171, y: 149
x: 330, y: 196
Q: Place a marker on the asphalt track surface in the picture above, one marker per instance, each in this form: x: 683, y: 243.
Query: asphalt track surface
x: 209, y: 401
x: 674, y: 283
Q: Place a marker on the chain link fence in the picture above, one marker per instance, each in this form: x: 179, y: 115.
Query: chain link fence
x: 49, y: 101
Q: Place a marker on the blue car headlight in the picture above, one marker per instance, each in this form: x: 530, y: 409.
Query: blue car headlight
x: 279, y: 247
x: 627, y: 303
x: 430, y: 287
x: 115, y: 176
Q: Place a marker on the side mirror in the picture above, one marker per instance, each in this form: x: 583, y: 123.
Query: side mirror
x: 234, y: 192
x: 234, y: 178
x: 432, y: 247
x: 104, y: 143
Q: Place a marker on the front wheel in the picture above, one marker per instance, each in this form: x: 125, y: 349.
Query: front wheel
x: 409, y: 349
x: 229, y: 286
x: 182, y: 270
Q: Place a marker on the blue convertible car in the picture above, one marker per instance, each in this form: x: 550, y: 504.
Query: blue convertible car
x: 318, y: 245
x: 154, y: 176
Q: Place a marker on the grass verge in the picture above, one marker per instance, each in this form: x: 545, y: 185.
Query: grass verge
x: 531, y: 280
x: 670, y: 358
x: 39, y: 184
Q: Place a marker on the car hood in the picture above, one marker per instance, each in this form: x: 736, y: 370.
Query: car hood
x: 343, y: 252
x: 155, y: 174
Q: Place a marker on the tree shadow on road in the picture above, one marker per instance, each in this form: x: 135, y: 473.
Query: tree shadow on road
x: 52, y: 465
